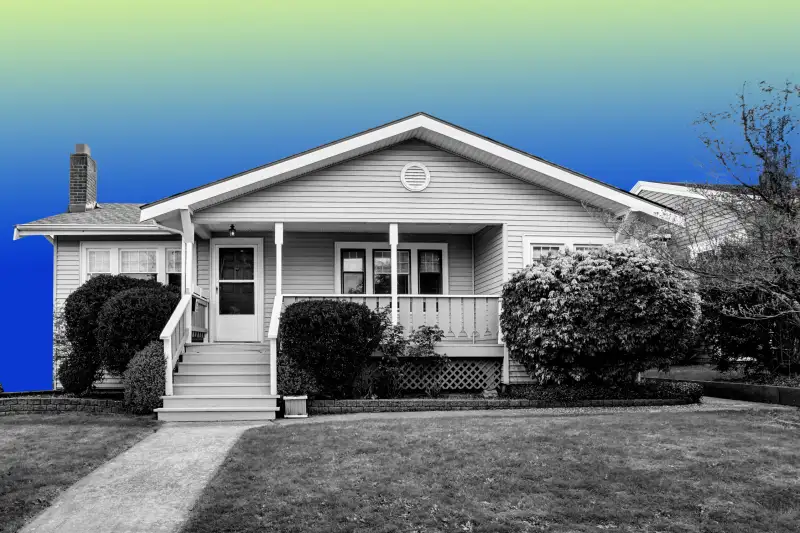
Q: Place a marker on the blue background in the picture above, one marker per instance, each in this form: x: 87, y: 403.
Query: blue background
x: 173, y: 95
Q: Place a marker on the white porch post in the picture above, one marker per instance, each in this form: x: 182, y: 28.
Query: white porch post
x: 273, y: 343
x: 187, y: 263
x: 393, y: 238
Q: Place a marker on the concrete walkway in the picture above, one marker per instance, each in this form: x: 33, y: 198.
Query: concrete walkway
x: 149, y: 488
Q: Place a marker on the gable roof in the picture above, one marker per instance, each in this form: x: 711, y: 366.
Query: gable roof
x: 113, y: 218
x: 431, y: 130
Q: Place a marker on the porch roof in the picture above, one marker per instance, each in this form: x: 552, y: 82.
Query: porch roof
x: 431, y: 130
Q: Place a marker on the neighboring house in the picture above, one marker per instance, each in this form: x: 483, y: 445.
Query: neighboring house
x: 418, y: 214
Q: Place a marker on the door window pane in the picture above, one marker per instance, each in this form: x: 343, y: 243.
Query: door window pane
x: 237, y: 298
x: 353, y: 271
x: 237, y: 264
x: 430, y: 272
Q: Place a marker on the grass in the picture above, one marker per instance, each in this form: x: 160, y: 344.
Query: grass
x: 630, y: 471
x: 41, y: 455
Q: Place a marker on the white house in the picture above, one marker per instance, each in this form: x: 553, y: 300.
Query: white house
x: 418, y: 214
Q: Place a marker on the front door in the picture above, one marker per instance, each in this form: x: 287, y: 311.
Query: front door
x: 238, y: 299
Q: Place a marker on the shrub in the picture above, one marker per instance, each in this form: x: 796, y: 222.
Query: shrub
x: 144, y: 379
x: 293, y: 380
x: 573, y: 392
x: 83, y: 306
x: 330, y: 339
x: 599, y: 316
x: 78, y: 371
x: 1, y: 388
x: 130, y: 320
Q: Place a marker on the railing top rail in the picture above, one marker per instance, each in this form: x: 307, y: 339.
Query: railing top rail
x: 389, y: 296
x: 176, y: 316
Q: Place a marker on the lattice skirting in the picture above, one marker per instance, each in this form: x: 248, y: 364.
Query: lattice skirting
x: 461, y: 374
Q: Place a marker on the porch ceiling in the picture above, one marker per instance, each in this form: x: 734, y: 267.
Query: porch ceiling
x: 349, y: 227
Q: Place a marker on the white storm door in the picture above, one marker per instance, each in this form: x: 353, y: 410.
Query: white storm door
x: 237, y: 295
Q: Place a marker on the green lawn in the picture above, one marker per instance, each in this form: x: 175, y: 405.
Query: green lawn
x: 41, y: 455
x: 627, y: 471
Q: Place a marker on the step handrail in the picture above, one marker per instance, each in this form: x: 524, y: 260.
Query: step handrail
x: 174, y: 336
x: 272, y: 336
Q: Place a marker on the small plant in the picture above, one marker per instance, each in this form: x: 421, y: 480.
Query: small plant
x: 144, y: 379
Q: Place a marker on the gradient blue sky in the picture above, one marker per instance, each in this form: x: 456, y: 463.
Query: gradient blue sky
x: 170, y: 96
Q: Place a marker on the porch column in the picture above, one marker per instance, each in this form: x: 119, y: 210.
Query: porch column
x: 273, y: 344
x: 187, y: 261
x: 393, y: 238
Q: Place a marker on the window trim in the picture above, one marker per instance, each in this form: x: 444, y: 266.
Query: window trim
x: 368, y: 248
x: 116, y: 247
x: 563, y: 242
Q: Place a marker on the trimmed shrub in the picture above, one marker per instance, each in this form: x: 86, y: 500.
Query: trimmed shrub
x: 144, y: 379
x: 83, y: 306
x: 330, y: 339
x: 130, y: 320
x: 293, y: 380
x: 599, y: 316
x: 572, y: 392
x: 78, y: 371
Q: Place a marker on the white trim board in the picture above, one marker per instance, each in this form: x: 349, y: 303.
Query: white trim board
x: 414, y: 247
x: 564, y: 243
x: 419, y: 126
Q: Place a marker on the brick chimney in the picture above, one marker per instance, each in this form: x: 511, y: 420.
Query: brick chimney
x: 82, y: 180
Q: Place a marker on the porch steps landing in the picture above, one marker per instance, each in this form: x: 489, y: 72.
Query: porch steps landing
x: 221, y: 382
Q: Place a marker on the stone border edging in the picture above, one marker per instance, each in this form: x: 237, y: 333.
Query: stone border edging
x: 24, y: 405
x: 324, y: 407
x: 747, y: 392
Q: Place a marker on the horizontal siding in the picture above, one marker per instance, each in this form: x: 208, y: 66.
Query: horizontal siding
x: 489, y: 260
x: 203, y: 266
x: 308, y: 259
x: 67, y: 270
x: 368, y: 189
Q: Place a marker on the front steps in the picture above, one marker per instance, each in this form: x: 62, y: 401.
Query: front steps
x: 221, y: 382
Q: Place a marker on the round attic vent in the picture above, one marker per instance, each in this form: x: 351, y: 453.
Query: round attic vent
x: 415, y: 177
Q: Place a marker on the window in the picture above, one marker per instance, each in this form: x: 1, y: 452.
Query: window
x: 174, y: 261
x: 237, y: 281
x: 353, y: 271
x: 586, y: 247
x: 430, y: 272
x: 99, y: 262
x: 140, y: 264
x: 541, y: 251
x: 382, y: 271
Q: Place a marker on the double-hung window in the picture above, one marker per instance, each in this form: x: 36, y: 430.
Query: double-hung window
x: 174, y: 260
x: 382, y: 271
x: 539, y: 252
x: 354, y: 271
x: 140, y: 264
x: 430, y: 271
x: 98, y: 262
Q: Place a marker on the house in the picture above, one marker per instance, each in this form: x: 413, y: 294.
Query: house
x: 418, y: 214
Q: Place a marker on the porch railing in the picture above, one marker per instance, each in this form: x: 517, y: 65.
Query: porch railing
x: 179, y: 330
x: 463, y: 318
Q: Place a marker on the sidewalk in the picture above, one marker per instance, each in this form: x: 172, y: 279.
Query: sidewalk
x: 149, y: 488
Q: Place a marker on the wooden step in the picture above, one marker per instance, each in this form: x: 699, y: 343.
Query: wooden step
x: 231, y: 357
x: 226, y: 347
x: 189, y: 378
x: 221, y: 388
x: 216, y: 414
x: 222, y: 367
x: 217, y: 400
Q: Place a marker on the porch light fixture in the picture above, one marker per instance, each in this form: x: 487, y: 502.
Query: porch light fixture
x: 232, y: 231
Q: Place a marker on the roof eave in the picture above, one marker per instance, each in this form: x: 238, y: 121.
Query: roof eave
x: 26, y: 230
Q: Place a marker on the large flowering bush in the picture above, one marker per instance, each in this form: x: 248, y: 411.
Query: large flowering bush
x: 598, y: 316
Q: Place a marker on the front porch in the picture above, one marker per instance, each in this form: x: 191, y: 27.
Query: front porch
x: 243, y: 274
